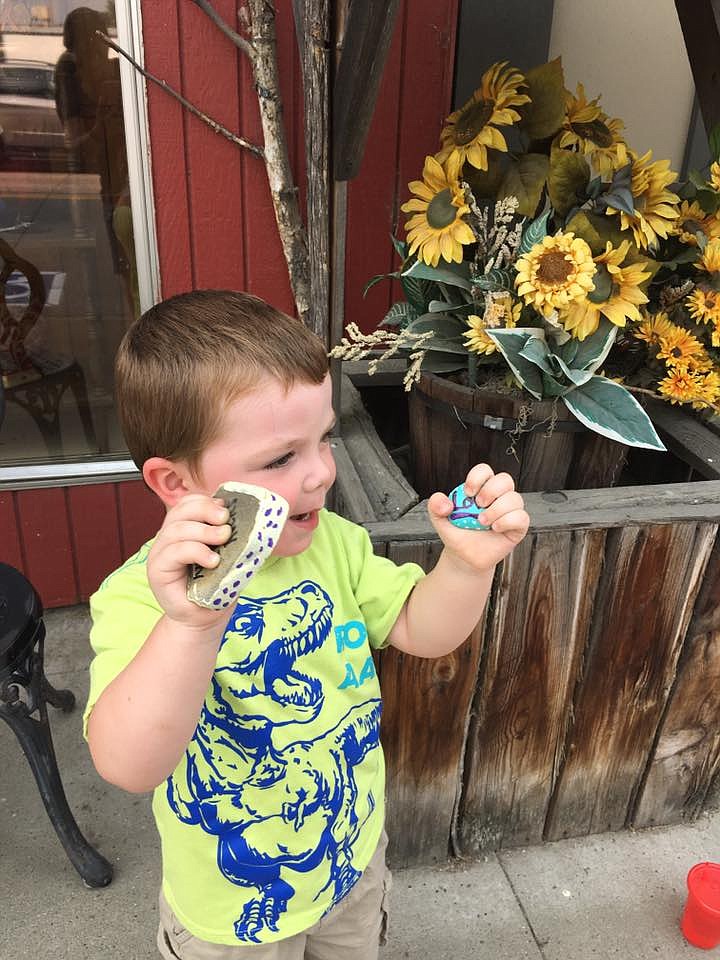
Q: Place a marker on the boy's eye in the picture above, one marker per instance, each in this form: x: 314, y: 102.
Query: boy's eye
x: 327, y: 438
x: 280, y: 462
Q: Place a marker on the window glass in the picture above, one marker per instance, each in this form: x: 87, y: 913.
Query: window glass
x: 68, y: 277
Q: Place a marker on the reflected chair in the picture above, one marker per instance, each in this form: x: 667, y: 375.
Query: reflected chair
x: 36, y: 380
x: 24, y: 695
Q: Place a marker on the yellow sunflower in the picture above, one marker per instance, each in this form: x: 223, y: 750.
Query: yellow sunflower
x: 704, y: 305
x: 588, y: 129
x: 615, y: 295
x: 469, y: 131
x: 555, y: 272
x: 679, y: 347
x: 714, y: 179
x: 709, y: 391
x: 653, y: 327
x: 500, y: 312
x: 694, y: 220
x: 681, y: 386
x: 437, y: 228
x: 710, y: 259
x: 655, y: 207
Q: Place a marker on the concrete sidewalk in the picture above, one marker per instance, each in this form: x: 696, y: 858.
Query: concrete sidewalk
x: 615, y: 895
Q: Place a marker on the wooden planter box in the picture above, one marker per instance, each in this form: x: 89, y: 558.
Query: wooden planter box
x: 589, y: 697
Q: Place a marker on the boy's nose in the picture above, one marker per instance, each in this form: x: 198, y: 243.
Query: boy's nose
x: 322, y: 474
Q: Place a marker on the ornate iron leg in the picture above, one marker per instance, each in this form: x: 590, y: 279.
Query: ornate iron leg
x: 36, y: 741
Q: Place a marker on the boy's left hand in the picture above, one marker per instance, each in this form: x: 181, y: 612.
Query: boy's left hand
x: 504, y: 512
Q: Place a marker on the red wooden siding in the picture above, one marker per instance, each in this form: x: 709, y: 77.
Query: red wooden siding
x: 215, y: 218
x: 67, y: 540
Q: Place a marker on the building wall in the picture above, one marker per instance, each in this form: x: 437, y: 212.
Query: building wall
x: 216, y: 228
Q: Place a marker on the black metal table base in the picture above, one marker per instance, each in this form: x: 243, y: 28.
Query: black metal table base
x: 24, y: 695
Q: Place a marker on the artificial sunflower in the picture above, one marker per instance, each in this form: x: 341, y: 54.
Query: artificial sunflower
x: 469, y: 131
x: 704, y: 305
x: 437, y: 228
x: 616, y: 293
x: 679, y: 348
x: 714, y: 179
x: 709, y: 391
x: 555, y: 272
x: 693, y: 220
x: 710, y: 259
x: 655, y: 207
x: 500, y: 312
x: 589, y: 130
x: 681, y: 386
x: 652, y: 327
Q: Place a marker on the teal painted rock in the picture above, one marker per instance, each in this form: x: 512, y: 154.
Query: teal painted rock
x: 466, y: 513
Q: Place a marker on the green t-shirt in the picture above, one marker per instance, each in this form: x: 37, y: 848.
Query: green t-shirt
x: 277, y: 805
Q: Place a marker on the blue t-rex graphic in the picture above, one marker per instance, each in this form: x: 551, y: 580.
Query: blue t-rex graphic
x: 254, y: 797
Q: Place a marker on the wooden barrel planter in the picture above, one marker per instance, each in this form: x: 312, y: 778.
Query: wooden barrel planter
x: 540, y: 444
x: 588, y: 699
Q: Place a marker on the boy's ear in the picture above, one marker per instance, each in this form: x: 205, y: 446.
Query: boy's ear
x: 167, y: 479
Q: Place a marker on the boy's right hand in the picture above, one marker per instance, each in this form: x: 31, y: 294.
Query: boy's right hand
x: 190, y: 528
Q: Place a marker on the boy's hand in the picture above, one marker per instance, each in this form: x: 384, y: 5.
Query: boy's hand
x: 504, y: 512
x: 190, y: 527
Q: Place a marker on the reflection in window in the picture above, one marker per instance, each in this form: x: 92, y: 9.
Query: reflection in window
x: 68, y: 280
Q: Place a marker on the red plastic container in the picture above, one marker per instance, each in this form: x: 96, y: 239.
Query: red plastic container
x: 701, y: 919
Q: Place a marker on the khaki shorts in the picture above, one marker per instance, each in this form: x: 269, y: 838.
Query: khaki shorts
x: 353, y: 930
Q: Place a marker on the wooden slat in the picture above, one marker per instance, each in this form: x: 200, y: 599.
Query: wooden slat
x: 388, y: 490
x: 533, y: 651
x: 351, y: 500
x: 368, y: 33
x: 210, y: 80
x: 699, y: 22
x: 687, y: 437
x: 10, y: 550
x: 166, y: 121
x: 95, y: 533
x: 590, y: 509
x: 650, y: 579
x: 426, y: 710
x: 686, y: 757
x: 47, y: 545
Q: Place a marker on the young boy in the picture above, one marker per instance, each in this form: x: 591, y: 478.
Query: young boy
x: 257, y: 727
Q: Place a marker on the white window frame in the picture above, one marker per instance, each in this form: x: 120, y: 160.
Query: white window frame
x: 142, y: 203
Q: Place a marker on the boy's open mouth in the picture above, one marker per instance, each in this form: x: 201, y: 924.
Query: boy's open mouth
x: 300, y: 516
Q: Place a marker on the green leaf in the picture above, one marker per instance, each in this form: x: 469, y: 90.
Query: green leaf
x: 602, y: 285
x: 607, y: 408
x: 418, y: 292
x: 442, y: 306
x: 708, y: 200
x: 511, y: 343
x: 596, y: 230
x: 495, y: 280
x: 525, y: 179
x: 567, y: 180
x: 442, y: 362
x: 447, y: 332
x: 544, y: 116
x: 457, y: 275
x: 619, y: 199
x: 401, y: 247
x: 400, y: 314
x: 714, y: 140
x: 578, y: 377
x: 376, y: 279
x: 697, y: 179
x: 534, y: 233
x: 593, y: 350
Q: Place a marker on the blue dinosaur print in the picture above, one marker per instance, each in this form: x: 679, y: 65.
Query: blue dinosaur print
x: 254, y: 796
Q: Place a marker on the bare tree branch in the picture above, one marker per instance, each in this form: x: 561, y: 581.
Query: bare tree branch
x: 240, y: 42
x: 213, y: 124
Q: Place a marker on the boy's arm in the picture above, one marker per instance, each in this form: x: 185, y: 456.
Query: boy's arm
x: 144, y: 719
x: 446, y: 605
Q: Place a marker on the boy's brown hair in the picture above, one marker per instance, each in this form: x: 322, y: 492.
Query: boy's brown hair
x: 184, y: 360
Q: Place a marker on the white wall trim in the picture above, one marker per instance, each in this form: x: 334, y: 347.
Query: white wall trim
x: 142, y: 201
